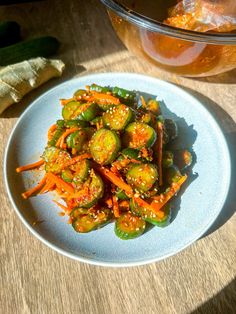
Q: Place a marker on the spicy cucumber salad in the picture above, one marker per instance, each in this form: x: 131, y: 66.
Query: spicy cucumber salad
x: 110, y: 160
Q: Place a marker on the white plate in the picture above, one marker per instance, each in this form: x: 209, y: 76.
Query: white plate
x: 195, y: 209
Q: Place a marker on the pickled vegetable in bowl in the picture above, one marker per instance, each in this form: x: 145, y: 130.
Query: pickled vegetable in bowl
x: 109, y: 159
x: 177, y: 38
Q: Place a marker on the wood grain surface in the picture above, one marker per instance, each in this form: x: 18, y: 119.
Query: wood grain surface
x: 35, y: 279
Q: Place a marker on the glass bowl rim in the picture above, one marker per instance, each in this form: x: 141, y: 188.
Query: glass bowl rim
x: 155, y: 26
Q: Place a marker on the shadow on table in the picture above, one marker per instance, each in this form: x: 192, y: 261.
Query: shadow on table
x: 222, y: 302
x: 220, y: 115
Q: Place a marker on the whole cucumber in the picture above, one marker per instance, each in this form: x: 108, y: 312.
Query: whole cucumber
x: 32, y: 48
x: 9, y: 33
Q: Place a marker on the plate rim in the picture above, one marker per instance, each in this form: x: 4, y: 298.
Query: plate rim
x: 96, y: 76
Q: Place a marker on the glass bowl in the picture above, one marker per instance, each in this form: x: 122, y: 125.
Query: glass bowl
x: 183, y: 52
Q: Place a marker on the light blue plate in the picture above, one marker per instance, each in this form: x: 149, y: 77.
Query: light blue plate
x: 195, y: 209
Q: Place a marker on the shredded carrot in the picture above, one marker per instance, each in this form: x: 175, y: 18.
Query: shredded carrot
x: 109, y: 202
x: 66, y: 101
x: 114, y: 179
x: 104, y: 98
x: 35, y: 189
x: 159, y: 150
x: 51, y: 131
x: 61, y: 184
x: 76, y: 159
x: 62, y: 138
x: 36, y: 164
x: 144, y: 104
x: 124, y: 204
x: 47, y: 187
x: 161, y: 200
x: 66, y: 209
x: 116, y: 210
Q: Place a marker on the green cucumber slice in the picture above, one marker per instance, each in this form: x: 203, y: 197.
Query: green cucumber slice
x: 167, y: 159
x: 67, y: 175
x: 121, y: 195
x: 125, y: 96
x: 75, y: 123
x: 81, y: 171
x: 150, y: 216
x: 172, y: 174
x: 183, y: 159
x: 104, y: 146
x: 118, y: 117
x: 54, y: 159
x: 129, y: 226
x: 93, y: 219
x: 90, y: 192
x: 138, y: 135
x: 170, y: 130
x: 79, y: 111
x: 100, y: 89
x: 80, y: 92
x: 77, y: 139
x: 142, y: 176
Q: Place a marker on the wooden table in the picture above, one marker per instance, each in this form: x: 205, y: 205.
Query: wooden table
x: 35, y: 279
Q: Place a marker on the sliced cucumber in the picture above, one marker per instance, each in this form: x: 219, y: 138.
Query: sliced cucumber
x: 90, y: 192
x: 54, y: 159
x: 104, y: 146
x: 93, y: 219
x: 118, y: 117
x: 77, y: 139
x: 121, y: 195
x: 138, y: 135
x: 170, y: 130
x: 67, y: 175
x: 142, y: 176
x: 154, y: 106
x: 131, y: 153
x: 172, y: 174
x: 161, y: 220
x: 167, y: 159
x: 81, y: 171
x: 80, y: 92
x: 129, y: 226
x: 97, y: 120
x: 125, y: 96
x: 79, y: 111
x: 100, y: 89
x: 75, y: 123
x: 76, y: 212
x: 183, y: 159
x: 59, y: 130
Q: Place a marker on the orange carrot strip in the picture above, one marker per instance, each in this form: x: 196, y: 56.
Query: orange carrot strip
x: 62, y: 138
x: 124, y: 204
x: 61, y: 183
x: 35, y: 189
x: 47, y: 187
x: 114, y: 179
x: 66, y: 101
x: 116, y: 210
x: 105, y: 98
x: 159, y: 151
x: 30, y: 166
x: 144, y: 105
x: 109, y: 202
x: 76, y: 159
x: 51, y: 130
x: 66, y: 209
x: 159, y: 201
